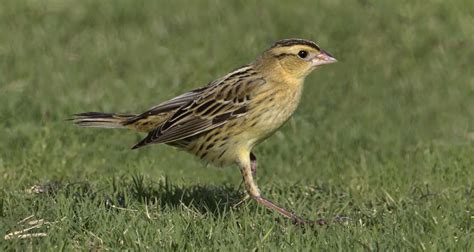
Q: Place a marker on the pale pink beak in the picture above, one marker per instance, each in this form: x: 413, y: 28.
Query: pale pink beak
x: 323, y: 58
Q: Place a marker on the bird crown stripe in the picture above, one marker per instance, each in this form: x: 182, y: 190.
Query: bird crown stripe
x: 292, y: 42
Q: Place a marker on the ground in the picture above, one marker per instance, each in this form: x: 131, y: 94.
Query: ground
x: 382, y: 145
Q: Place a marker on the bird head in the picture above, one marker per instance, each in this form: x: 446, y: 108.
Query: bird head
x: 297, y: 57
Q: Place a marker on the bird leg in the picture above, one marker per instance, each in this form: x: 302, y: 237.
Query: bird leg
x: 253, y: 167
x: 253, y: 164
x: 254, y: 192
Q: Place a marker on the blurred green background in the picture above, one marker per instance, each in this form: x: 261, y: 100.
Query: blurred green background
x: 384, y: 137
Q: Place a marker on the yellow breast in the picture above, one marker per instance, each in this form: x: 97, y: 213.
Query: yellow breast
x: 270, y: 111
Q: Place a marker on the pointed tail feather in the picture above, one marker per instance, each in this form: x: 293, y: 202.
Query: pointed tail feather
x: 102, y: 120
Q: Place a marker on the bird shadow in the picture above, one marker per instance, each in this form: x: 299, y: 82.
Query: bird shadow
x: 168, y: 195
x: 164, y: 194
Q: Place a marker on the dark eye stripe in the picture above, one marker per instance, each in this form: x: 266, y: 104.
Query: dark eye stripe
x: 279, y: 56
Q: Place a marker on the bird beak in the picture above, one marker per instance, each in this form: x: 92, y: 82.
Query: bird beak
x: 323, y: 58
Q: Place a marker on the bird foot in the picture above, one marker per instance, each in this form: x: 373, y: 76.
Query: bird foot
x: 321, y: 222
x: 242, y: 200
x: 302, y: 222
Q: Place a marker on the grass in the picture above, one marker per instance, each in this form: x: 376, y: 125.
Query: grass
x: 383, y: 138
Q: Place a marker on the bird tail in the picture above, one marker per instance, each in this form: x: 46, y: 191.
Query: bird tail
x: 102, y: 120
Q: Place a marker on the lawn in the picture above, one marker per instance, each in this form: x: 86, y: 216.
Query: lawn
x: 382, y: 145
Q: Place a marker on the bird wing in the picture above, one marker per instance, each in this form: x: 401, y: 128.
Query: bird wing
x: 167, y: 106
x: 213, y: 107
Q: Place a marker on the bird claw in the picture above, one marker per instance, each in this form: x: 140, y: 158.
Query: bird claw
x: 301, y: 222
x: 342, y: 219
x: 246, y: 197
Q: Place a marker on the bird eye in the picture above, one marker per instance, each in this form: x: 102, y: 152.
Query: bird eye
x: 303, y: 54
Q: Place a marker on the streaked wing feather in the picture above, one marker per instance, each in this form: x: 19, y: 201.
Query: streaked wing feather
x: 168, y: 106
x: 187, y: 129
x: 210, y: 109
x: 176, y: 102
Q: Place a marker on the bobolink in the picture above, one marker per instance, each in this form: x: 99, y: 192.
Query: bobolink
x: 221, y: 122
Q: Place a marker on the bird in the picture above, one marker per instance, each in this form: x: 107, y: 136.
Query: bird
x: 224, y: 120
